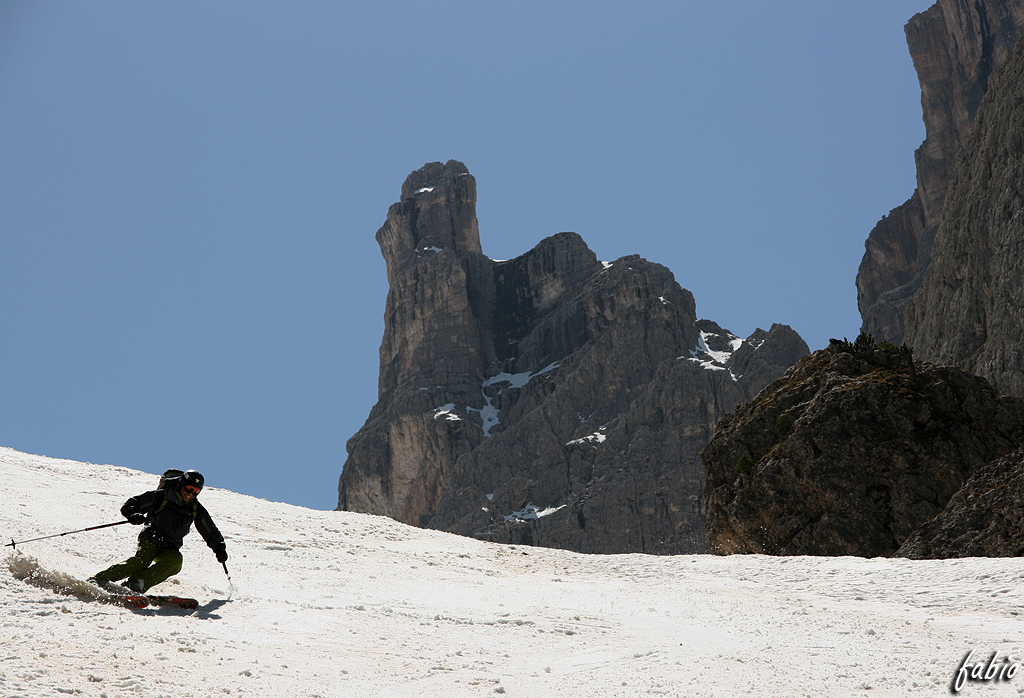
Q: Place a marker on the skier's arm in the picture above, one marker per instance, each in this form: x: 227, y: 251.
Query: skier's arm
x: 208, y: 530
x: 136, y: 508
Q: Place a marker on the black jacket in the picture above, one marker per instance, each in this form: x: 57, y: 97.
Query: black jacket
x: 169, y: 519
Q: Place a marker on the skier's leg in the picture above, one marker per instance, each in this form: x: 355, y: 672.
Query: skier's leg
x: 166, y: 563
x: 144, y: 555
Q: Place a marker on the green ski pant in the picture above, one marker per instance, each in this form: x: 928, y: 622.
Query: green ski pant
x: 148, y: 567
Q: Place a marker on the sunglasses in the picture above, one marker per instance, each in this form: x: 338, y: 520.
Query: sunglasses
x: 194, y: 491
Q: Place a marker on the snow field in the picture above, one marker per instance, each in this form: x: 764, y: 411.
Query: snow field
x: 339, y: 604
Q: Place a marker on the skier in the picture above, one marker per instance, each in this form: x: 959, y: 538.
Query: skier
x: 168, y: 514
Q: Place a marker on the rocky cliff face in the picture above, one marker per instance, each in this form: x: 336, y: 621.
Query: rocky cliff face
x: 956, y: 46
x: 852, y: 452
x: 969, y: 311
x: 552, y: 399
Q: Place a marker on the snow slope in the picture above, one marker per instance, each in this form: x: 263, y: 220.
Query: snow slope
x: 340, y: 604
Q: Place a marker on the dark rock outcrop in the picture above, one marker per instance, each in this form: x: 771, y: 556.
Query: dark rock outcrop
x: 984, y: 519
x: 956, y: 46
x: 551, y: 399
x: 969, y: 312
x: 851, y: 453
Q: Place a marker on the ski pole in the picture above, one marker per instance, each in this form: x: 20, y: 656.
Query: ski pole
x: 15, y: 545
x: 230, y: 583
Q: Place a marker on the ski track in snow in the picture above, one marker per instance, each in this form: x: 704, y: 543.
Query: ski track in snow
x: 340, y: 604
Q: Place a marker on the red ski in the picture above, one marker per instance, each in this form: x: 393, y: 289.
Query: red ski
x: 176, y: 601
x: 139, y: 601
x: 125, y: 597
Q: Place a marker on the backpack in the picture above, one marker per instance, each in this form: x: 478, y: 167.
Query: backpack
x: 170, y: 478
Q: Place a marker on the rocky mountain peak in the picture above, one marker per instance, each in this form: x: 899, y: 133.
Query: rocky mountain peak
x: 551, y: 399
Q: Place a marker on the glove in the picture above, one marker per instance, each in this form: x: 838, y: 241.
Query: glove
x: 136, y: 519
x: 222, y: 555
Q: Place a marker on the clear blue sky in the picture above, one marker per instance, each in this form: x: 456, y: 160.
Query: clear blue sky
x: 189, y: 193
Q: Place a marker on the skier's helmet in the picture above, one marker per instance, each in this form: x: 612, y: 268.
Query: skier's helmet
x: 191, y: 478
